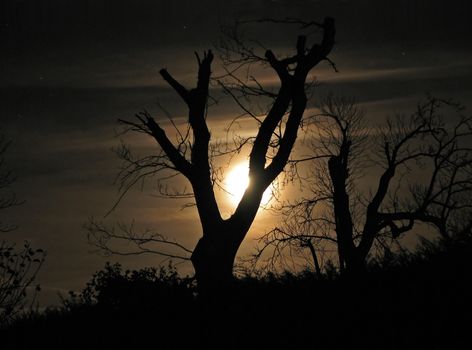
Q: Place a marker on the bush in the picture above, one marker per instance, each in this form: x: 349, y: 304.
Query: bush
x: 115, y: 288
x: 18, y: 270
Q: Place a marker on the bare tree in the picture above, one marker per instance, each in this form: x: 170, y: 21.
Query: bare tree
x: 191, y: 155
x: 423, y: 166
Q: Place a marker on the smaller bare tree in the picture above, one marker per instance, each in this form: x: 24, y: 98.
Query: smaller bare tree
x: 422, y: 171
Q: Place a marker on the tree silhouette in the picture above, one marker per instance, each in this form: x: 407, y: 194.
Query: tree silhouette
x: 214, y: 254
x: 423, y: 166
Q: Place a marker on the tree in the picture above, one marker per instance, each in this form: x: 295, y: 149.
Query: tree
x: 18, y: 267
x: 214, y: 254
x: 423, y: 167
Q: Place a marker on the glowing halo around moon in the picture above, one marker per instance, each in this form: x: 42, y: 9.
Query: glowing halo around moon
x: 236, y: 182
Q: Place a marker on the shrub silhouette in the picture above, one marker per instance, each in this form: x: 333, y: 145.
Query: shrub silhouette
x: 116, y: 288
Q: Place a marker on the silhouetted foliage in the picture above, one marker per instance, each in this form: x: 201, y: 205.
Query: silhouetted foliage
x: 18, y: 270
x: 413, y: 300
x: 114, y: 288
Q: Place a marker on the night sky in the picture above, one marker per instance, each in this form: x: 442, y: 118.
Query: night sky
x: 70, y: 68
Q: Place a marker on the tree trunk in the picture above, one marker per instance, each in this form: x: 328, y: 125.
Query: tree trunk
x: 339, y: 173
x: 312, y: 249
x: 213, y: 259
x: 355, y: 264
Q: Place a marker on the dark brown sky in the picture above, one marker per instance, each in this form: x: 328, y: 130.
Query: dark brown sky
x: 70, y: 68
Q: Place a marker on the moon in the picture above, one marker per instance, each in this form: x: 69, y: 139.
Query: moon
x: 237, y: 181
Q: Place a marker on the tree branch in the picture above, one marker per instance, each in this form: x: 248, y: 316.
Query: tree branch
x: 109, y: 239
x: 180, y: 89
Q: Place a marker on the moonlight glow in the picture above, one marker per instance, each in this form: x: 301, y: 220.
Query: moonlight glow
x: 237, y: 181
